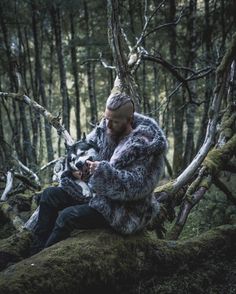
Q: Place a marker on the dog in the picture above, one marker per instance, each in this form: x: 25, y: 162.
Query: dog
x: 76, y: 158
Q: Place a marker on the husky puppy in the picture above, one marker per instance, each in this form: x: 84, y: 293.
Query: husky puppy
x: 75, y: 160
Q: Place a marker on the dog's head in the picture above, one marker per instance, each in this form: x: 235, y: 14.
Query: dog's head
x: 80, y: 152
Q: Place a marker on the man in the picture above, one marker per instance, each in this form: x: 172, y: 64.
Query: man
x: 130, y: 160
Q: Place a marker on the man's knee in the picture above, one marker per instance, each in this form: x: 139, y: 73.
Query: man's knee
x: 48, y: 194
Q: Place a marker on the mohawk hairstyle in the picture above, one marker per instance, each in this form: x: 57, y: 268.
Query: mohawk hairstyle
x: 117, y: 100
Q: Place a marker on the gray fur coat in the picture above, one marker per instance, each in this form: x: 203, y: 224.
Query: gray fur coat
x: 127, y: 174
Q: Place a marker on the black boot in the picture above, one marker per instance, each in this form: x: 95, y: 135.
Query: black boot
x: 58, y: 234
x: 43, y: 228
x: 37, y: 245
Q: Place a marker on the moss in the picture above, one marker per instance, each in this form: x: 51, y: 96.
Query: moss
x: 228, y: 57
x: 212, y: 277
x: 217, y: 158
x: 214, y: 160
x: 93, y: 261
x: 14, y: 248
x: 168, y: 187
x: 206, y: 182
x: 6, y: 228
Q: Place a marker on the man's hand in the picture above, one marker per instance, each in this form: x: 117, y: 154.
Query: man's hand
x: 92, y: 165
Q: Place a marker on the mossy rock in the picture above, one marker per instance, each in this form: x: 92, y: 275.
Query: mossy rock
x: 99, y: 260
x: 14, y: 248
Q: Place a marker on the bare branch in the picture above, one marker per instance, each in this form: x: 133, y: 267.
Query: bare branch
x: 147, y: 22
x: 184, y: 212
x: 165, y: 25
x: 100, y: 59
x: 88, y: 60
x: 105, y: 65
x: 27, y: 182
x: 8, y: 187
x: 49, y: 164
x: 200, y: 74
x: 54, y: 121
x: 126, y: 40
x: 28, y: 171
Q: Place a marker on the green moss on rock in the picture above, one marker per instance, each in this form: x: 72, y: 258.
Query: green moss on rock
x: 93, y: 261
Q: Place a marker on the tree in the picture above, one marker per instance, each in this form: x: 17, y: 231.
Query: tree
x: 186, y: 190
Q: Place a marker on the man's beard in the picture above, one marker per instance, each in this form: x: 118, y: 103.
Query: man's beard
x: 114, y: 137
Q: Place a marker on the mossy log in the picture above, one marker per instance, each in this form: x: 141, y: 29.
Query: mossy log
x: 99, y: 260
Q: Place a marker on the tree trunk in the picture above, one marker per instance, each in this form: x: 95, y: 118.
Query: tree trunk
x: 75, y: 75
x: 90, y: 72
x: 177, y: 101
x: 146, y: 104
x: 12, y: 62
x: 51, y: 70
x: 56, y: 18
x: 125, y: 81
x: 208, y: 79
x: 223, y: 25
x: 4, y: 149
x: 34, y: 116
x: 156, y: 113
x: 191, y: 108
x: 28, y: 156
x: 38, y: 62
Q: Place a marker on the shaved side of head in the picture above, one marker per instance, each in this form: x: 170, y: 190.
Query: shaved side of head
x: 121, y: 104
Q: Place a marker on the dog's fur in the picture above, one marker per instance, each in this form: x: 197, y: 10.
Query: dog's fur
x: 76, y: 158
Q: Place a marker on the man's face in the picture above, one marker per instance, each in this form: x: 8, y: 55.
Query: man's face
x: 116, y: 123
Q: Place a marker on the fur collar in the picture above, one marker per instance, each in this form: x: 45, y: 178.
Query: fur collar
x: 145, y: 140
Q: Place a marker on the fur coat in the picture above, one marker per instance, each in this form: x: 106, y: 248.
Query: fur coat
x: 127, y: 174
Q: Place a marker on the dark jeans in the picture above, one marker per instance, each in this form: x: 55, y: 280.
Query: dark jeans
x: 59, y: 214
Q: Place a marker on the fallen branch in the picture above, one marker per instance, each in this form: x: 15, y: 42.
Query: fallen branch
x: 31, y: 174
x: 49, y: 164
x: 30, y: 224
x: 8, y: 187
x: 10, y: 214
x: 29, y: 183
x: 53, y: 120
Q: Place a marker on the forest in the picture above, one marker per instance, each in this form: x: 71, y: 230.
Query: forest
x: 59, y: 61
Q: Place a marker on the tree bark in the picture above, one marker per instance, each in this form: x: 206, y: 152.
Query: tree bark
x: 39, y: 76
x: 56, y: 17
x: 177, y: 101
x: 75, y: 74
x: 28, y: 155
x: 34, y: 116
x: 90, y: 73
x: 191, y: 108
x: 125, y: 80
x: 208, y: 79
x: 12, y: 62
